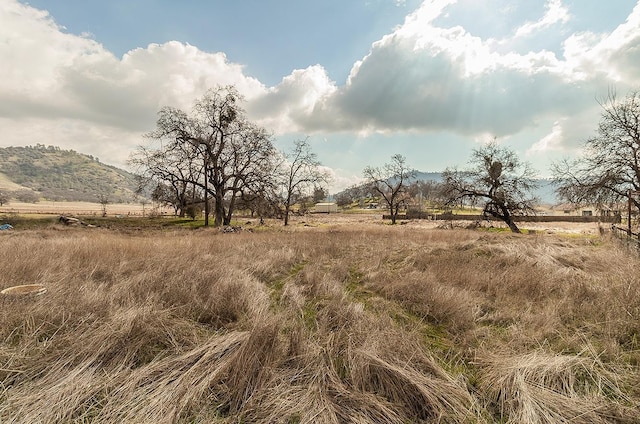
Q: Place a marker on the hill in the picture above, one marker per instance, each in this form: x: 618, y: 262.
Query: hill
x: 51, y: 173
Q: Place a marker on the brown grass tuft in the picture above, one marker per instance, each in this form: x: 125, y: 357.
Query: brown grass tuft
x: 544, y: 388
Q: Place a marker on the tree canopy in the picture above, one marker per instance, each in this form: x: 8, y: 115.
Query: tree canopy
x: 301, y: 173
x: 391, y: 181
x: 214, y: 148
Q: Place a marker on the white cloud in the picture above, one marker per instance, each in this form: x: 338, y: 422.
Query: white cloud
x: 70, y: 91
x: 556, y: 13
x: 613, y: 56
x: 287, y: 106
x: 129, y: 92
x: 551, y: 141
x: 341, y: 179
x: 66, y: 87
x: 425, y: 78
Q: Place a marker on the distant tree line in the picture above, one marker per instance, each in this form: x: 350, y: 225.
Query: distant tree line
x: 215, y: 156
x: 606, y: 175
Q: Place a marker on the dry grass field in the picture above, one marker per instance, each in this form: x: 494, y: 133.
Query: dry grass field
x: 81, y: 208
x: 325, y: 322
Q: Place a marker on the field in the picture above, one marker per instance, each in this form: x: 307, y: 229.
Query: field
x: 340, y: 320
x: 80, y: 208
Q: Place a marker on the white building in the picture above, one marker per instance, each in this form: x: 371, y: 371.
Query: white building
x: 326, y: 208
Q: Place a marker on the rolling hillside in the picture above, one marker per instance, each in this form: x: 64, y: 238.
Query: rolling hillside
x: 41, y: 172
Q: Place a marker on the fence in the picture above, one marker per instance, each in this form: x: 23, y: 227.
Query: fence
x: 534, y: 218
x: 82, y: 209
x: 80, y: 212
x: 626, y: 235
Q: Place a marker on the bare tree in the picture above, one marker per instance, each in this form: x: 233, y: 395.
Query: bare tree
x: 425, y: 192
x: 302, y: 173
x: 103, y: 199
x: 391, y: 182
x: 252, y: 167
x: 608, y: 171
x: 265, y: 201
x: 171, y: 171
x: 232, y: 153
x: 4, y: 197
x: 497, y: 177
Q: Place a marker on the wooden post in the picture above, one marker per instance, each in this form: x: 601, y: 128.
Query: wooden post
x: 629, y: 213
x: 206, y: 187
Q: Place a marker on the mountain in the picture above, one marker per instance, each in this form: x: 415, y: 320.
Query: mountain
x: 50, y: 173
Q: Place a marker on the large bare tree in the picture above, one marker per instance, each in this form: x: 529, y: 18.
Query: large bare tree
x: 391, y: 181
x: 233, y: 152
x: 496, y: 176
x: 608, y: 171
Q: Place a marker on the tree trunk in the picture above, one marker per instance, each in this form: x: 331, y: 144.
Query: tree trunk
x: 393, y: 214
x: 512, y: 225
x: 505, y: 216
x: 218, y: 210
x: 232, y: 203
x: 206, y: 197
x: 287, y: 208
x: 183, y: 206
x: 286, y: 214
x: 508, y: 219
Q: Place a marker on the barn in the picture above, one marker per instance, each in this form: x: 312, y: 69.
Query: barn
x: 326, y: 208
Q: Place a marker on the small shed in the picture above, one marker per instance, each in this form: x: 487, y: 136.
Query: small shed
x: 326, y: 208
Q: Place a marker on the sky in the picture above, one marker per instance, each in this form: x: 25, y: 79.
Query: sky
x: 363, y: 79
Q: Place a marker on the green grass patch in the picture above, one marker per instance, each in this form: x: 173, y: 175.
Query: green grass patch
x: 277, y: 285
x: 310, y: 315
x: 28, y: 222
x: 356, y: 289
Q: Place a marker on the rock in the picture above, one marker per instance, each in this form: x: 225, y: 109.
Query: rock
x: 69, y: 220
x: 230, y: 229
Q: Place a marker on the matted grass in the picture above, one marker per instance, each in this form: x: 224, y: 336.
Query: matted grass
x: 318, y: 324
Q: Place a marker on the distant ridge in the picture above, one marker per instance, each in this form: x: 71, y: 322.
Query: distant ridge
x: 50, y: 173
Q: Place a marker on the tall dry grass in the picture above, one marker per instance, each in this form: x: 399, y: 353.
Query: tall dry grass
x: 362, y: 324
